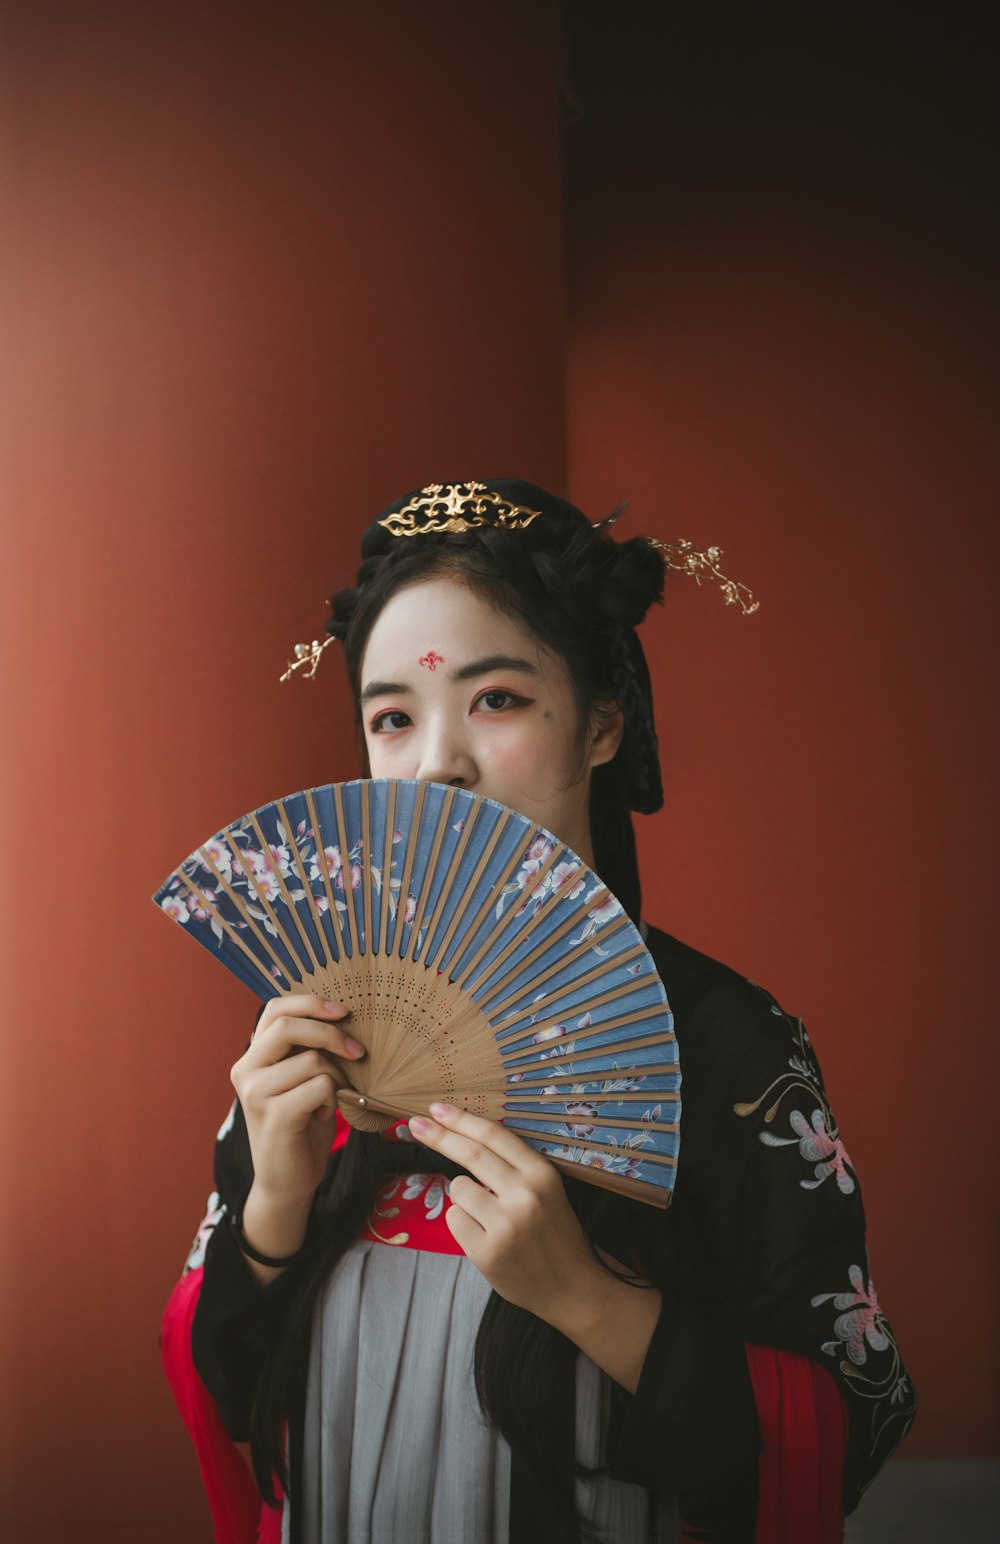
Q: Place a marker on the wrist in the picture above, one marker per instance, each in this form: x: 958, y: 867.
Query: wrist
x: 271, y: 1231
x: 611, y: 1321
x: 257, y: 1256
x: 581, y: 1307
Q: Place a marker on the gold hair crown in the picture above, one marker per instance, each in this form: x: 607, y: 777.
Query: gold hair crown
x: 459, y: 507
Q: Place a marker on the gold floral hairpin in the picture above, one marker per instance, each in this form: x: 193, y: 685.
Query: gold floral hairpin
x: 307, y: 658
x: 683, y: 559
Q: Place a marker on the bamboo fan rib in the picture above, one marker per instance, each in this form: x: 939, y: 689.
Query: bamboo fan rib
x: 482, y: 961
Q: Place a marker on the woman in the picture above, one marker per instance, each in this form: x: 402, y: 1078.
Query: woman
x: 726, y: 1361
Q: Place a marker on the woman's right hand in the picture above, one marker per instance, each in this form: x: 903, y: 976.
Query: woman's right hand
x: 287, y: 1082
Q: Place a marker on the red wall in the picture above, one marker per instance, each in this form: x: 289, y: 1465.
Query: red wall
x: 262, y: 270
x: 783, y: 338
x: 256, y: 285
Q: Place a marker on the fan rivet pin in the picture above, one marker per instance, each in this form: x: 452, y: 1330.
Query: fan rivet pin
x: 363, y: 1101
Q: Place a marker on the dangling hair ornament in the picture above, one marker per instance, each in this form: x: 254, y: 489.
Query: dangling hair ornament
x: 681, y: 557
x: 307, y: 657
x: 459, y: 507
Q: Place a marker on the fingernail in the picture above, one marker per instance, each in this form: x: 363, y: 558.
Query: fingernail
x: 353, y: 1046
x: 334, y: 1007
x: 442, y: 1110
x: 419, y: 1126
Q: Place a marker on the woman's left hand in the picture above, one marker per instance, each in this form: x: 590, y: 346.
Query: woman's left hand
x: 516, y: 1225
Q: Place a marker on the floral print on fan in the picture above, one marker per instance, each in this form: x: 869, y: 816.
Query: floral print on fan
x: 625, y: 1160
x: 566, y: 880
x: 583, y: 1118
x: 608, y: 909
x: 532, y: 894
x: 261, y: 875
x: 181, y: 906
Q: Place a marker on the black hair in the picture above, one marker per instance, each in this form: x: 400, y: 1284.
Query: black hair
x: 582, y: 595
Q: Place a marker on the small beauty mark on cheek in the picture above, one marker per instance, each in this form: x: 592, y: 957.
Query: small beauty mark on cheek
x: 432, y: 660
x: 548, y: 715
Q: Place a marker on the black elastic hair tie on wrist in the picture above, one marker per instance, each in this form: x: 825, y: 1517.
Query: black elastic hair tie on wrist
x: 236, y: 1223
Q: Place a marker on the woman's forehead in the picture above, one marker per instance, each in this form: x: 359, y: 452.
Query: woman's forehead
x: 438, y: 614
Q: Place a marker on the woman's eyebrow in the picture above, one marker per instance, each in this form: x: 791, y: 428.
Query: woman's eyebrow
x: 478, y: 667
x: 384, y: 689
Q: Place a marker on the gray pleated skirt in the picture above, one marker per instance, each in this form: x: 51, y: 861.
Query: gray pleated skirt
x: 396, y: 1449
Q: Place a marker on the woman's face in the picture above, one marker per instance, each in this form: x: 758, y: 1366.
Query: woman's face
x: 453, y: 691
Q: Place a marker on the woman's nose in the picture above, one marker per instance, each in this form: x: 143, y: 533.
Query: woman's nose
x: 444, y: 759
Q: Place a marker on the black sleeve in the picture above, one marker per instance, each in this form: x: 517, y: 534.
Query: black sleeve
x: 764, y: 1244
x: 237, y: 1320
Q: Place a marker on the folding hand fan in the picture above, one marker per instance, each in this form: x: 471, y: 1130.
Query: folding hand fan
x: 483, y: 963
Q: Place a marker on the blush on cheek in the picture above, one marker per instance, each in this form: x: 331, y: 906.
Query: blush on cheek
x: 540, y: 764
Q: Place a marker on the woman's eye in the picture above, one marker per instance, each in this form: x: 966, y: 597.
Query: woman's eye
x: 393, y: 719
x: 496, y: 701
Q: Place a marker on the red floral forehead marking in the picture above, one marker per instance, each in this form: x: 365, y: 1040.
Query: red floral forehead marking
x: 432, y: 660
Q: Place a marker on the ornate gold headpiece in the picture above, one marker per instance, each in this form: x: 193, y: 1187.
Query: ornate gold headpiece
x: 460, y: 507
x: 457, y: 507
